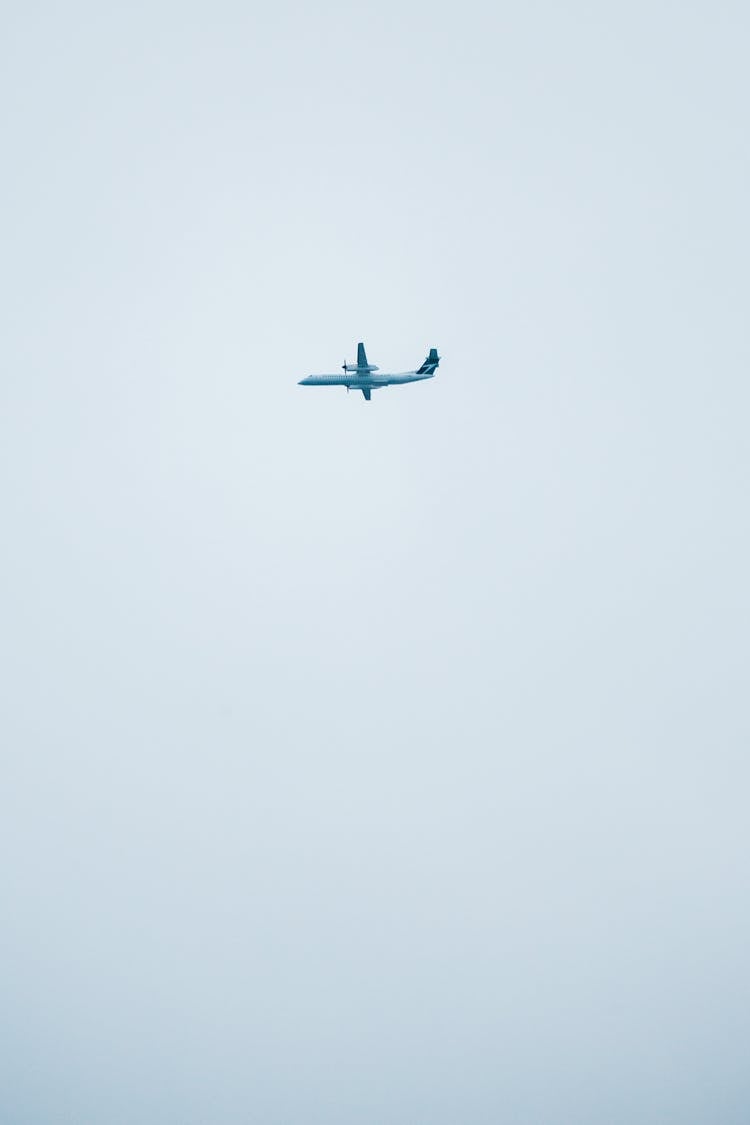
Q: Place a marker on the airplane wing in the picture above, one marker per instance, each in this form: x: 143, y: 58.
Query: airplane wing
x: 361, y: 367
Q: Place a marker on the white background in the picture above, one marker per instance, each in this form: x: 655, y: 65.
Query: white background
x: 374, y: 762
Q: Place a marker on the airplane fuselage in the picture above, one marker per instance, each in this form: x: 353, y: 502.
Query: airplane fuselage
x: 360, y: 382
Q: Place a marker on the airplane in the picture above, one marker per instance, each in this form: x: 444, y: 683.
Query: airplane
x: 360, y: 376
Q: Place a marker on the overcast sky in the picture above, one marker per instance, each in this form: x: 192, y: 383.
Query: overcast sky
x: 388, y: 762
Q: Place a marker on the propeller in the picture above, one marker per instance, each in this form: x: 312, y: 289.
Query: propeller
x: 343, y: 366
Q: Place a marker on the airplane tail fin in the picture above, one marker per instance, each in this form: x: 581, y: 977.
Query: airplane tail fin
x: 430, y: 364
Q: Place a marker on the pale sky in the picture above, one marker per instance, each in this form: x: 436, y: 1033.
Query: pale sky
x: 375, y: 763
